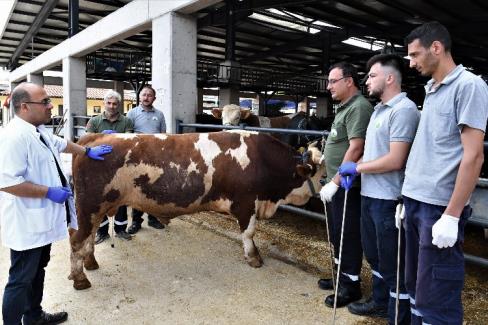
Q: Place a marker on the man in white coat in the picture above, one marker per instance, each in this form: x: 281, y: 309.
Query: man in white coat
x: 36, y: 202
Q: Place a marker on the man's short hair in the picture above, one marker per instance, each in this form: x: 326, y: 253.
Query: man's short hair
x: 150, y: 88
x: 348, y: 70
x: 388, y: 60
x: 112, y: 94
x: 428, y: 33
x: 19, y: 95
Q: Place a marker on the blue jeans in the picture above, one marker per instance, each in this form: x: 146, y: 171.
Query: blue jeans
x: 25, y: 285
x: 380, y: 244
x: 434, y: 276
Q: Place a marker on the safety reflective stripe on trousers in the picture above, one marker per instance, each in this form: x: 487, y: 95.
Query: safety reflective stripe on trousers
x: 401, y: 296
x: 352, y: 277
x: 376, y: 274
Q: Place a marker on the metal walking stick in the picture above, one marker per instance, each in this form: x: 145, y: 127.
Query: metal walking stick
x: 400, y: 211
x: 331, y: 251
x: 340, y: 251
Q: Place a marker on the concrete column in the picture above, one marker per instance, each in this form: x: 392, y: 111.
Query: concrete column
x: 74, y: 94
x: 324, y: 107
x: 261, y: 109
x: 200, y: 101
x: 174, y: 67
x: 119, y: 87
x: 228, y: 96
x: 37, y: 79
x: 8, y: 113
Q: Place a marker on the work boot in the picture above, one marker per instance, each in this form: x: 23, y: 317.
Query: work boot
x: 345, y: 295
x: 368, y: 308
x: 155, y: 223
x: 51, y: 319
x: 134, y: 227
x: 123, y: 235
x: 325, y: 284
x: 100, y: 238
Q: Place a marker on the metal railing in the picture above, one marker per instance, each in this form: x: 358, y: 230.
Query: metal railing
x: 218, y: 74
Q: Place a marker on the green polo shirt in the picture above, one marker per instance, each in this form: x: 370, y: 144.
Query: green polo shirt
x: 351, y: 121
x: 99, y: 123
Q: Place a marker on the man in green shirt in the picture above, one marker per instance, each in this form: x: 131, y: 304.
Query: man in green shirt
x: 345, y: 143
x: 111, y: 121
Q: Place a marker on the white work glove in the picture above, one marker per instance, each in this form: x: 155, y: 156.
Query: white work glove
x: 328, y: 191
x: 399, y: 215
x: 445, y: 231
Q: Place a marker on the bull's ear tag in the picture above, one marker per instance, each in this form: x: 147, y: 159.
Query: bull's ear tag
x: 333, y: 133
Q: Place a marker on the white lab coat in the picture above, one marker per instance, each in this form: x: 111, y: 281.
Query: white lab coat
x: 30, y: 222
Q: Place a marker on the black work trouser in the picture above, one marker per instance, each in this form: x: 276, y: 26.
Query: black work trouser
x: 352, y: 251
x: 137, y: 216
x: 120, y: 222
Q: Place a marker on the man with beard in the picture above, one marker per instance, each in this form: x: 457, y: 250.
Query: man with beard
x: 36, y: 202
x: 111, y: 121
x: 146, y: 119
x: 390, y: 133
x: 345, y: 143
x: 442, y: 171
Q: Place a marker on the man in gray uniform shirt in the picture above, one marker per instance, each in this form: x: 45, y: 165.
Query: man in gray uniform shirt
x: 149, y: 120
x: 441, y: 173
x: 390, y: 133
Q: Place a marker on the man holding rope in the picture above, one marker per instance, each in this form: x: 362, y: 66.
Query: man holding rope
x: 390, y: 133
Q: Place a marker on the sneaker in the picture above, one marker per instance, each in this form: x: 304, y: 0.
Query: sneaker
x: 100, y: 238
x: 155, y: 224
x: 123, y: 235
x: 51, y: 319
x: 134, y: 227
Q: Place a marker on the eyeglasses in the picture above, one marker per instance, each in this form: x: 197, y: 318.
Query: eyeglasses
x: 45, y: 102
x: 333, y: 81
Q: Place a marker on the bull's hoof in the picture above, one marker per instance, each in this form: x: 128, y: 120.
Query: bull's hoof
x: 91, y: 264
x: 81, y: 284
x: 255, y: 261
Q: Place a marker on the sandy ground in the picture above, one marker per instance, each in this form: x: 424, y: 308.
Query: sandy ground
x: 182, y: 275
x: 193, y: 272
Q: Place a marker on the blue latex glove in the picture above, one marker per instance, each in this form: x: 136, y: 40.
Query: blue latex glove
x: 347, y: 181
x: 108, y: 131
x: 348, y: 168
x: 98, y: 151
x: 59, y: 194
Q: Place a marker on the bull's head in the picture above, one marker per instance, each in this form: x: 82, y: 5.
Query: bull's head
x: 312, y: 165
x: 231, y: 114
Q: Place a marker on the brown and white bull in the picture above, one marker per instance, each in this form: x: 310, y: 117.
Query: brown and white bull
x: 245, y: 174
x: 234, y: 115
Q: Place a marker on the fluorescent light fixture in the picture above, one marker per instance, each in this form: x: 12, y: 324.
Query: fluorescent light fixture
x: 372, y: 45
x: 291, y: 25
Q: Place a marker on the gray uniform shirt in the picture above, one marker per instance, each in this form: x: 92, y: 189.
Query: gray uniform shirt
x: 461, y: 99
x: 394, y: 121
x: 147, y: 121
